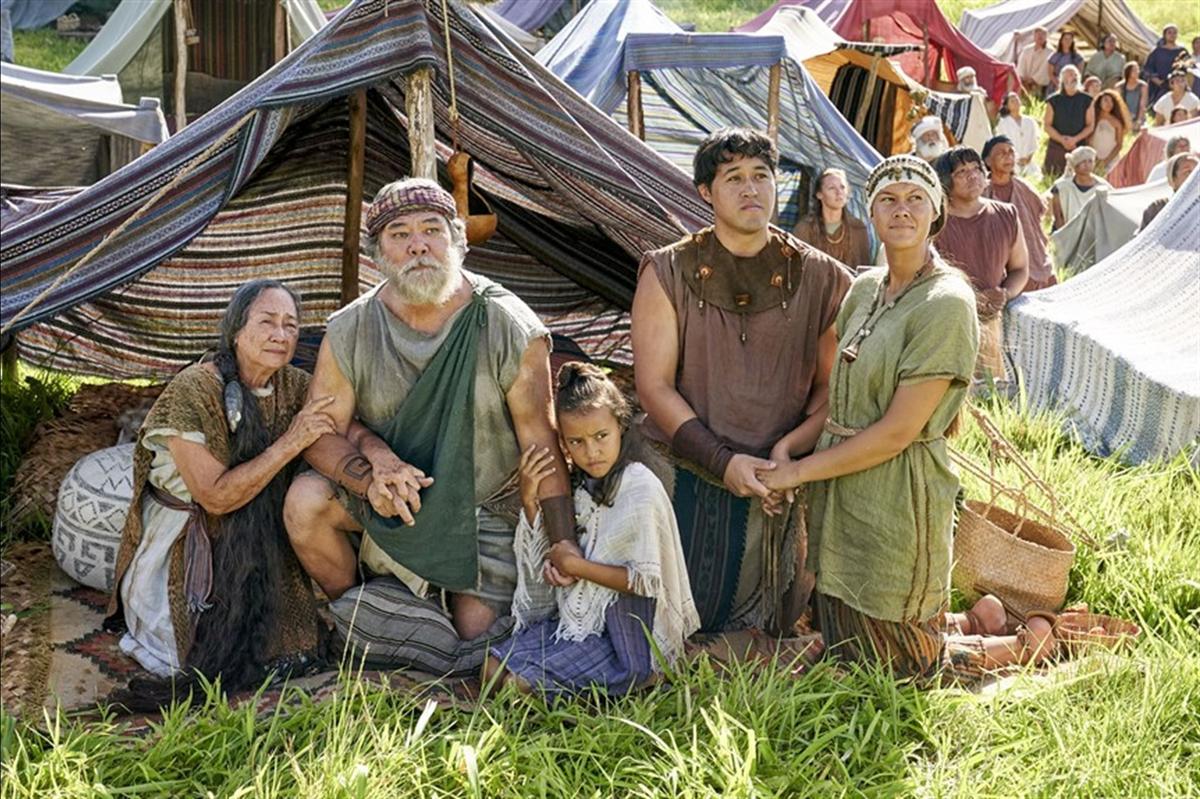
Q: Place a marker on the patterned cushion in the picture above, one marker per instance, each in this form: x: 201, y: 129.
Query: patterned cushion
x: 92, y: 504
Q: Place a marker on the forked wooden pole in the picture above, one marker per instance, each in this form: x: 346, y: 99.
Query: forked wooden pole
x: 421, y: 139
x: 354, y: 194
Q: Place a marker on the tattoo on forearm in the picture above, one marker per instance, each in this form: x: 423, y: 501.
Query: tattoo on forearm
x: 354, y: 472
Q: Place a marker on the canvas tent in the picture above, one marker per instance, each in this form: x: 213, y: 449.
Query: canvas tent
x: 529, y: 41
x: 871, y: 91
x: 1115, y: 349
x: 1148, y: 149
x: 237, y: 43
x: 1105, y: 223
x: 691, y: 84
x: 1005, y: 28
x: 59, y: 130
x: 547, y: 16
x: 908, y: 22
x: 258, y: 188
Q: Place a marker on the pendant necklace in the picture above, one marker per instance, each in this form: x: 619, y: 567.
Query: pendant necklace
x: 850, y: 351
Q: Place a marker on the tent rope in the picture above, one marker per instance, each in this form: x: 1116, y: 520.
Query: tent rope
x: 187, y: 169
x: 450, y: 75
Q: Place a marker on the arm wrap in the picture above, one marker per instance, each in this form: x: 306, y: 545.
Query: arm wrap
x: 695, y: 442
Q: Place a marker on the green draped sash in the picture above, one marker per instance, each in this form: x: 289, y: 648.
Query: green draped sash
x: 434, y: 430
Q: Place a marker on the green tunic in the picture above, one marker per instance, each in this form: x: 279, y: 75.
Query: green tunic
x: 880, y: 539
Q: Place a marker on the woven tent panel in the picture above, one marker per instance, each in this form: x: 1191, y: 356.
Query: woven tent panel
x: 1116, y: 353
x: 94, y: 419
x: 557, y: 151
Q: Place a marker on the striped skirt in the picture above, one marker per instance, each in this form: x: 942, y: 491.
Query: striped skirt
x: 616, y: 661
x: 921, y: 650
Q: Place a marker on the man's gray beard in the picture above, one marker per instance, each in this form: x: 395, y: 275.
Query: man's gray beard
x: 425, y: 286
x: 930, y: 151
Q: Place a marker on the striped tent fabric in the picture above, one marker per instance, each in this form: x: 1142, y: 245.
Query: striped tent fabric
x: 913, y: 21
x: 695, y: 83
x: 692, y: 85
x: 578, y: 199
x: 1004, y: 28
x: 1115, y: 349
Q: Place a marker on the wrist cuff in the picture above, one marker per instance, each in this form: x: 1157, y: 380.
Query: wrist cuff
x: 693, y: 441
x: 558, y: 518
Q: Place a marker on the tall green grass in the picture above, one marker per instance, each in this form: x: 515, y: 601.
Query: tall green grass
x: 23, y: 405
x: 1124, y: 725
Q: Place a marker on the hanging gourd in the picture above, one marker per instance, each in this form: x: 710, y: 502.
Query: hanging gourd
x: 480, y: 227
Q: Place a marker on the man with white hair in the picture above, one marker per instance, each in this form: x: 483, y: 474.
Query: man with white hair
x: 1179, y: 169
x: 1068, y: 122
x: 1033, y: 65
x: 929, y: 139
x: 1071, y: 191
x: 451, y: 372
x: 1175, y: 146
x: 967, y: 81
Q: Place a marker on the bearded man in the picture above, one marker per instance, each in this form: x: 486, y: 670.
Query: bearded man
x: 450, y: 372
x: 929, y: 139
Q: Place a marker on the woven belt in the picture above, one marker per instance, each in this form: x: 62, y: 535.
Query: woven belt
x: 197, y: 550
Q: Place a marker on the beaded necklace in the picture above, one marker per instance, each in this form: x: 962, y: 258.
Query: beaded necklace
x: 850, y: 351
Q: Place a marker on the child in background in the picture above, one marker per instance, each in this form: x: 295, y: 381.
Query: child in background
x: 631, y: 579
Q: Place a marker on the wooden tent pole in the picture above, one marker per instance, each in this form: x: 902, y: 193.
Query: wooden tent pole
x: 868, y: 96
x: 181, y: 65
x: 354, y: 194
x: 633, y: 104
x: 925, y: 44
x: 773, y: 102
x: 422, y: 144
x: 281, y: 30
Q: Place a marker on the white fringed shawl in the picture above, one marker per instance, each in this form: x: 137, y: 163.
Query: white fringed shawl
x: 637, y: 532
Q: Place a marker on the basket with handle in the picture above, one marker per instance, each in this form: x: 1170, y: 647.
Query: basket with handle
x: 1022, y: 555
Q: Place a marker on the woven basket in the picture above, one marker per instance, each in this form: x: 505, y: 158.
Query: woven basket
x: 1023, y: 555
x: 1023, y: 562
x: 1081, y: 631
x: 91, y: 422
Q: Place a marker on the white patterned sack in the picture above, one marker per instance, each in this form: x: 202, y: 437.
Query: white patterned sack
x: 92, y: 505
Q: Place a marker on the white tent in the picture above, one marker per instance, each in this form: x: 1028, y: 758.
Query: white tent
x: 60, y: 130
x: 1115, y: 349
x: 1106, y: 222
x: 1005, y: 28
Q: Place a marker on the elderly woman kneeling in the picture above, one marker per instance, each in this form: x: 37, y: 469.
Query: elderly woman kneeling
x: 206, y: 579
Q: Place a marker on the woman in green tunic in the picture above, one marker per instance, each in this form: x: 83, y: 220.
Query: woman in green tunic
x: 881, y: 514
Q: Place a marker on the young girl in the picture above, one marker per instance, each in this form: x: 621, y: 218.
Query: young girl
x: 631, y: 579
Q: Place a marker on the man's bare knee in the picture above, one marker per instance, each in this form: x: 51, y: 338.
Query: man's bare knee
x: 307, y: 507
x: 471, y: 617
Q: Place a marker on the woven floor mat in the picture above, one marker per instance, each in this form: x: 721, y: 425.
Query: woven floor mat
x: 56, y: 654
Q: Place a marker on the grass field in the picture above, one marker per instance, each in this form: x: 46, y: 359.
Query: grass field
x: 1122, y: 726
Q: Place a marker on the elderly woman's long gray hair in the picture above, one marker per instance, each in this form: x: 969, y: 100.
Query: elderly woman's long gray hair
x: 250, y: 543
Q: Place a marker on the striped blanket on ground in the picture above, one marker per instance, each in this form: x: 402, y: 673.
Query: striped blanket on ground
x: 579, y: 199
x: 1115, y: 349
